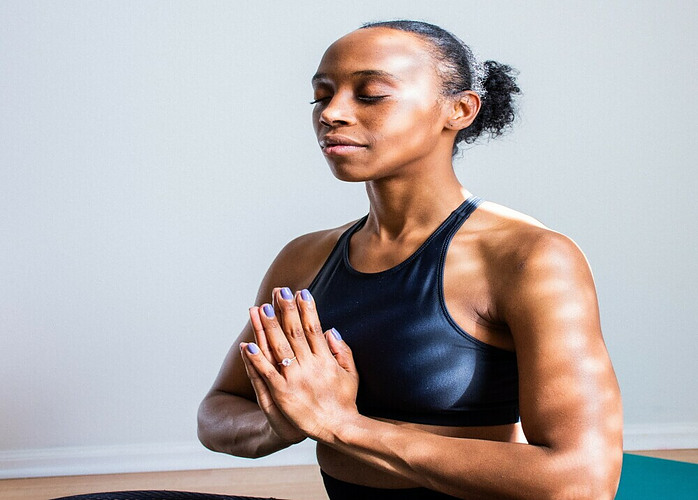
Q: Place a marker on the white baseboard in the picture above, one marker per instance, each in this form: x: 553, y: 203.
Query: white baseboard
x: 71, y: 461
x: 660, y: 436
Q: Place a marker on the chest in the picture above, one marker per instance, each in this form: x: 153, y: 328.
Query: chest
x: 411, y: 356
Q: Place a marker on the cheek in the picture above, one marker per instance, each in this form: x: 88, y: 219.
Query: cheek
x: 409, y: 124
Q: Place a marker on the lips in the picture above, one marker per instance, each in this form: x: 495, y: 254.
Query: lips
x: 340, y: 145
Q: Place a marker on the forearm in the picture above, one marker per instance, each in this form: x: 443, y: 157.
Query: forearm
x: 469, y: 468
x: 236, y: 426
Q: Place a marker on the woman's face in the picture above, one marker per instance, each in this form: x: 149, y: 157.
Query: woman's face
x: 378, y: 105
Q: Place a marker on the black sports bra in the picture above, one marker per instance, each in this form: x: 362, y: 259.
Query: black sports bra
x: 415, y: 363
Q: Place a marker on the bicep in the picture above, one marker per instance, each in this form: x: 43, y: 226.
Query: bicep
x: 569, y: 398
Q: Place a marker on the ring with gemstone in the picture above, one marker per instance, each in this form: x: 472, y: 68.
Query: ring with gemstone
x: 287, y: 361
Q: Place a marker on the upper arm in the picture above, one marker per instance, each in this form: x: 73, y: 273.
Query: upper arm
x: 568, y: 393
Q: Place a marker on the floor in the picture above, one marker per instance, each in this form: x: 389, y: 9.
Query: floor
x: 301, y: 482
x: 292, y: 482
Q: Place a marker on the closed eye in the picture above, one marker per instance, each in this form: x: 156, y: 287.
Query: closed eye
x: 362, y: 98
x: 321, y: 99
x: 371, y: 98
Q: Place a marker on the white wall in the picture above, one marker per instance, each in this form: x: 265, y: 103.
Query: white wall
x: 154, y: 157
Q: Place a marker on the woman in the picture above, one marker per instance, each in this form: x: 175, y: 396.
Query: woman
x: 462, y: 355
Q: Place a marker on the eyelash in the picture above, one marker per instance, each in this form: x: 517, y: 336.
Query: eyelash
x: 372, y: 98
x: 365, y: 98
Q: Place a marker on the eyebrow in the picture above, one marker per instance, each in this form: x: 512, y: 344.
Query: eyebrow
x: 364, y: 72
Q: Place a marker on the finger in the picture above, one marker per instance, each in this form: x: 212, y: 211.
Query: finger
x: 341, y: 351
x: 279, y: 424
x: 259, y: 335
x: 311, y: 323
x: 264, y: 399
x: 290, y: 322
x: 278, y: 343
x: 261, y: 368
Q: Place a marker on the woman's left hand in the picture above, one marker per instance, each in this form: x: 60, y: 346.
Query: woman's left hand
x: 315, y: 388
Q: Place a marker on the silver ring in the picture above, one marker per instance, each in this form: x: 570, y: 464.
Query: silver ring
x: 287, y: 361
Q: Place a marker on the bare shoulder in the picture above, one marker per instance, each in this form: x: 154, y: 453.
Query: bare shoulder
x: 518, y: 243
x: 523, y: 261
x: 301, y: 259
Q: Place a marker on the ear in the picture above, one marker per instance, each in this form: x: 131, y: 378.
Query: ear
x: 464, y: 110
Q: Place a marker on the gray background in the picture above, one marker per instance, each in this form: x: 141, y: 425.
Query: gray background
x: 155, y: 156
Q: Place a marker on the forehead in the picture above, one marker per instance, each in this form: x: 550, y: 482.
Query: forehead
x: 399, y: 53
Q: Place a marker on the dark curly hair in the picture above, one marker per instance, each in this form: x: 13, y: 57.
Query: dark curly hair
x: 494, y: 82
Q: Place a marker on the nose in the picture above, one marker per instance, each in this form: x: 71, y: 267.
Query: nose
x: 337, y: 111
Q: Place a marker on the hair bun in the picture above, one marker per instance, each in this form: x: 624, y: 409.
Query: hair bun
x: 498, y: 110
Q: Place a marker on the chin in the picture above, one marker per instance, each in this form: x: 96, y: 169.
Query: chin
x: 350, y: 178
x: 350, y: 174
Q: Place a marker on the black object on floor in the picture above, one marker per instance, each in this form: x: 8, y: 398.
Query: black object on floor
x: 156, y: 495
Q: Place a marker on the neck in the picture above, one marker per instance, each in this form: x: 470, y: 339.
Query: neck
x: 399, y: 205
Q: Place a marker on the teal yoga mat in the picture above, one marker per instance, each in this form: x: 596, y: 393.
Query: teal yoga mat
x: 645, y: 478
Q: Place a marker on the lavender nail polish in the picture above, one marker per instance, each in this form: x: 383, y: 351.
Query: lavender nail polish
x: 286, y: 293
x: 305, y: 295
x: 268, y: 311
x: 252, y: 348
x: 336, y: 334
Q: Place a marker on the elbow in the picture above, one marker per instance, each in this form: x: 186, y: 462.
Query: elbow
x: 583, y: 491
x: 209, y: 428
x: 203, y: 426
x: 587, y: 481
x: 205, y: 438
x: 218, y: 431
x: 579, y: 492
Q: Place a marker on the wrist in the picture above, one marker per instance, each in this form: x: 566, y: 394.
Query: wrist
x: 285, y: 439
x: 344, y: 431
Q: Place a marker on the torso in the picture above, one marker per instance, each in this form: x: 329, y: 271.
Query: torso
x: 480, y: 251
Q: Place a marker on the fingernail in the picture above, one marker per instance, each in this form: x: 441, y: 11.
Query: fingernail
x: 286, y: 293
x: 305, y: 295
x: 252, y: 348
x: 336, y: 334
x: 268, y: 311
